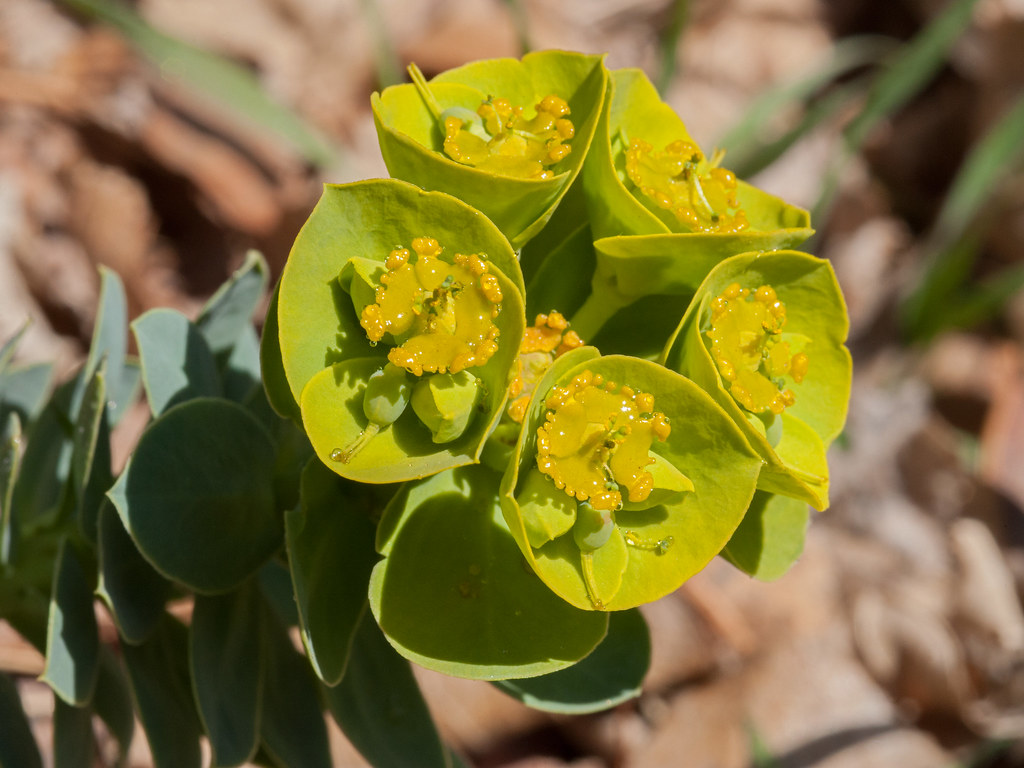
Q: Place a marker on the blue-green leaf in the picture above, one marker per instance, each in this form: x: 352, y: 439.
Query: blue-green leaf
x: 241, y: 370
x: 330, y: 551
x: 612, y: 674
x: 112, y: 701
x: 292, y: 727
x: 11, y: 345
x: 197, y: 497
x: 23, y: 390
x: 133, y: 592
x: 72, y: 637
x: 227, y: 641
x: 177, y: 364
x: 73, y: 741
x: 90, y: 459
x: 158, y: 671
x: 17, y: 747
x: 109, y: 339
x: 10, y: 459
x: 379, y: 706
x: 229, y: 311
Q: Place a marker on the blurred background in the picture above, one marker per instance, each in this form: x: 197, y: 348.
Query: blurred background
x: 164, y: 138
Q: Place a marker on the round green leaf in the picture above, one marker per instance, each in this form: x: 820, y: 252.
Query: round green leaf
x: 411, y: 136
x: 816, y: 312
x: 704, y: 446
x: 770, y: 538
x: 325, y: 352
x: 197, y: 497
x: 452, y: 595
x: 612, y: 674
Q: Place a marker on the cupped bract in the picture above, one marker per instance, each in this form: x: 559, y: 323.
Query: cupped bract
x: 662, y: 212
x: 506, y: 136
x: 765, y: 335
x: 645, y: 175
x: 388, y: 287
x: 626, y: 480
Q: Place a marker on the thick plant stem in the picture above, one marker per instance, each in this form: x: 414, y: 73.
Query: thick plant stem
x: 599, y: 307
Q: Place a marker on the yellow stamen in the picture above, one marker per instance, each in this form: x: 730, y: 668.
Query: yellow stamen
x: 440, y: 315
x: 547, y: 339
x: 506, y: 143
x: 745, y: 344
x: 699, y: 194
x: 596, y: 440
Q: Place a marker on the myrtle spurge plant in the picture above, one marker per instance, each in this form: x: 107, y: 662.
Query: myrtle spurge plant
x: 539, y: 378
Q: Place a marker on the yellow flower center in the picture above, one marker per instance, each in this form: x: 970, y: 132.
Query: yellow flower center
x: 596, y: 440
x: 746, y: 346
x: 499, y: 139
x: 439, y: 314
x: 544, y: 341
x: 698, y: 193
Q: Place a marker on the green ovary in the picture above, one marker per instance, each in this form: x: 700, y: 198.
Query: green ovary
x: 751, y: 358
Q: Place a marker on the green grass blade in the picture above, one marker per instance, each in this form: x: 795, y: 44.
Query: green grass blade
x: 990, y: 160
x: 954, y: 241
x: 521, y: 24
x: 671, y: 34
x: 747, y: 142
x: 220, y: 79
x: 385, y: 58
x: 913, y: 66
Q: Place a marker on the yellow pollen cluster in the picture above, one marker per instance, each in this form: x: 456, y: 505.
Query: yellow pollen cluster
x: 439, y: 314
x: 681, y: 180
x: 596, y: 440
x: 544, y: 341
x: 745, y: 344
x: 507, y: 143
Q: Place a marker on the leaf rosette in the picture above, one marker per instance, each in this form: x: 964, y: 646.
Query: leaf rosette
x: 512, y: 150
x: 626, y: 480
x: 399, y: 315
x: 765, y: 337
x: 661, y: 211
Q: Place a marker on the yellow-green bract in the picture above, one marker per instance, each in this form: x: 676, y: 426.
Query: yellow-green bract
x: 326, y: 355
x: 654, y: 548
x: 793, y: 444
x: 641, y: 248
x: 412, y: 136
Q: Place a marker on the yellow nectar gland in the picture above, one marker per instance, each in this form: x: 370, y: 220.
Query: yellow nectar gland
x: 440, y: 314
x: 548, y: 338
x: 698, y: 193
x: 745, y: 344
x: 596, y: 440
x: 507, y: 143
